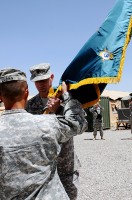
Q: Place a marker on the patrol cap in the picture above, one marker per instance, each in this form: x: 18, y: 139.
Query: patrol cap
x: 11, y: 74
x: 40, y: 72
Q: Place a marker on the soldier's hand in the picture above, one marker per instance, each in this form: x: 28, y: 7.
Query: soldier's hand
x: 53, y: 104
x: 65, y: 87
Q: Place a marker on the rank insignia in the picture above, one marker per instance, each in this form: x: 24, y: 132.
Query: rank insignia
x: 106, y: 55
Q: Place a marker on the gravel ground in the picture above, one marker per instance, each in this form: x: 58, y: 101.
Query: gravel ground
x: 106, y: 172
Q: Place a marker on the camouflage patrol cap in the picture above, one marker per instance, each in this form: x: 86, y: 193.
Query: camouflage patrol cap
x: 40, y: 72
x: 11, y: 74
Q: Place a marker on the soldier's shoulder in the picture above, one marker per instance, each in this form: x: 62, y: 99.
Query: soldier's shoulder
x: 32, y: 99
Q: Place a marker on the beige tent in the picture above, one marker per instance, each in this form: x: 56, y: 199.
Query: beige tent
x: 114, y: 94
x: 115, y: 102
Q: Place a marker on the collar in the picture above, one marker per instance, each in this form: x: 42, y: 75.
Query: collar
x: 13, y: 111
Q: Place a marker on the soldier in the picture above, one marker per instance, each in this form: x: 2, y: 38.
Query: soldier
x: 68, y: 162
x: 29, y: 145
x: 130, y: 106
x: 97, y: 120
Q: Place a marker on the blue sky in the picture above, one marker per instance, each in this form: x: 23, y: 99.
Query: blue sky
x: 36, y: 31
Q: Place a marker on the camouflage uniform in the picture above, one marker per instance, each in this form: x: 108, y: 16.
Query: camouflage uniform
x: 130, y: 106
x: 29, y: 148
x: 35, y: 105
x: 97, y: 121
x: 67, y: 163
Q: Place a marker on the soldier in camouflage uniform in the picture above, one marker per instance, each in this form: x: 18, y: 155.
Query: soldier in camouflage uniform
x: 68, y: 162
x: 97, y: 120
x: 29, y: 145
x: 130, y: 106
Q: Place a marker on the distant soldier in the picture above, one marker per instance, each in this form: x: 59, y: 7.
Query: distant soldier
x: 130, y: 106
x: 97, y: 120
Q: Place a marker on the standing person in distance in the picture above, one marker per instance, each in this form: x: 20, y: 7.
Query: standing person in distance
x: 97, y: 120
x: 68, y: 162
x: 29, y: 145
x: 130, y: 107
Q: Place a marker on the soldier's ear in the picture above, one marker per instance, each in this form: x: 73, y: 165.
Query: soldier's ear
x: 52, y: 77
x: 26, y: 94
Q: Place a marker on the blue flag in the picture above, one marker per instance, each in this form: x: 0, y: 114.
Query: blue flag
x: 100, y: 61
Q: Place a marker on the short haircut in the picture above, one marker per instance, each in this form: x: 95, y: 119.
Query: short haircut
x: 13, y: 90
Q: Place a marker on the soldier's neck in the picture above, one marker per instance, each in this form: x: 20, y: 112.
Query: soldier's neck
x: 42, y: 95
x: 16, y: 105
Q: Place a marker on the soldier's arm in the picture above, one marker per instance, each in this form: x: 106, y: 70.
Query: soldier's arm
x: 73, y: 121
x: 70, y: 123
